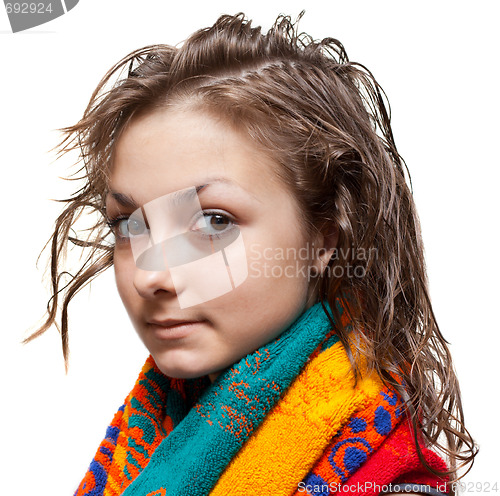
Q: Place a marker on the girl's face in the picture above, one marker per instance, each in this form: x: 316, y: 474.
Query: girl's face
x: 171, y: 150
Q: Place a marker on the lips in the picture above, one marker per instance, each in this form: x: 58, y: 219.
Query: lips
x: 170, y: 329
x: 172, y: 322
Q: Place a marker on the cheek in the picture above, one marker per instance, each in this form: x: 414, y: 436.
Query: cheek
x: 124, y: 277
x: 273, y: 286
x: 284, y: 264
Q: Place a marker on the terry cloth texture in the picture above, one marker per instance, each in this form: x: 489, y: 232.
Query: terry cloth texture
x: 286, y: 419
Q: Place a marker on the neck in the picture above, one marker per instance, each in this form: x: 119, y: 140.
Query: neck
x: 214, y: 375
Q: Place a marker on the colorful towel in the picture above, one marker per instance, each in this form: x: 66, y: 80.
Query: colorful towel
x: 281, y: 419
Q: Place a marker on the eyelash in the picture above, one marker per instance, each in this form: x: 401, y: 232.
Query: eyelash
x: 113, y: 223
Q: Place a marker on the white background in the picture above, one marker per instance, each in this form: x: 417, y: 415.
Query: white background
x: 438, y: 63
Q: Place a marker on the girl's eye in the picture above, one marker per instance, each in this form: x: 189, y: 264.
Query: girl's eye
x: 210, y: 224
x: 125, y: 227
x: 213, y: 224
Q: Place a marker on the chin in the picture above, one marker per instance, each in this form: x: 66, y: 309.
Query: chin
x: 180, y: 372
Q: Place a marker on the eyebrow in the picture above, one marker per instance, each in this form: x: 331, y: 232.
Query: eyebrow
x: 178, y: 196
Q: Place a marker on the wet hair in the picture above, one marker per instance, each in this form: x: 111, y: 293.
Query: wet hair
x: 326, y: 122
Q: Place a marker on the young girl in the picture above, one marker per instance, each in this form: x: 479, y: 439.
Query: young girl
x: 268, y: 252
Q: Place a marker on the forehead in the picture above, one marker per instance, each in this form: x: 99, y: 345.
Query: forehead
x: 170, y: 150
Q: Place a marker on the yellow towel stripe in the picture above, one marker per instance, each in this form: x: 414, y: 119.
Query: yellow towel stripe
x: 299, y: 428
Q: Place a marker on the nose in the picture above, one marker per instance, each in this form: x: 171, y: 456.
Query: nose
x: 152, y: 275
x: 150, y: 283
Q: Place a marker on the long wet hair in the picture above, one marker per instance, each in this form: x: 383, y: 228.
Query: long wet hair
x: 326, y: 122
